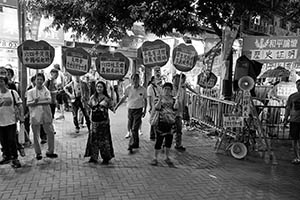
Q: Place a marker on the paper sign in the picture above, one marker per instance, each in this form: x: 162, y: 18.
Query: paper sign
x: 36, y: 55
x: 112, y: 66
x: 77, y: 61
x: 233, y: 121
x: 207, y: 80
x: 154, y: 53
x: 184, y: 57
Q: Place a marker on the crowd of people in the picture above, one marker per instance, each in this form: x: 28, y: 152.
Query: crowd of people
x: 90, y: 100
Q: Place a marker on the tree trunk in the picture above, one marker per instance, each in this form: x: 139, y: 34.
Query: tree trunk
x: 227, y: 81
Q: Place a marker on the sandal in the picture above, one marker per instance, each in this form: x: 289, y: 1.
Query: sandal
x: 168, y: 161
x: 154, y: 162
x: 296, y: 161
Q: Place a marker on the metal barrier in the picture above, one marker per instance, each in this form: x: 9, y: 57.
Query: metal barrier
x: 210, y: 111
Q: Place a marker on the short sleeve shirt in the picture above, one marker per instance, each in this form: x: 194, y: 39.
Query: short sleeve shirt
x: 153, y: 91
x: 294, y: 104
x: 136, y: 97
x: 7, y: 110
x: 39, y: 114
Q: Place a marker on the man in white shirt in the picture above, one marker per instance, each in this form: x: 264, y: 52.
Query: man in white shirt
x: 38, y: 101
x: 137, y: 105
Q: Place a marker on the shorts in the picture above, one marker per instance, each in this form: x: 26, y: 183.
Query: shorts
x: 295, y: 130
x: 62, y: 97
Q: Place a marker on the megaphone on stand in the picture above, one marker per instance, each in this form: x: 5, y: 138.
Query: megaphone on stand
x: 246, y: 83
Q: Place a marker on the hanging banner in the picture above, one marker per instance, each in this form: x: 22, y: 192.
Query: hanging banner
x: 209, y: 57
x: 156, y: 53
x: 76, y: 61
x: 273, y: 51
x: 184, y: 57
x: 207, y: 80
x: 112, y: 66
x: 36, y: 55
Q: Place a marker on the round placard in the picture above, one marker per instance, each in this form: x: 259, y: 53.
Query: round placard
x: 77, y: 61
x: 184, y: 57
x: 207, y: 80
x: 156, y: 53
x: 112, y: 66
x: 36, y: 54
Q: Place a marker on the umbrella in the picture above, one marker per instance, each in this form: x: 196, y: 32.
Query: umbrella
x: 277, y: 72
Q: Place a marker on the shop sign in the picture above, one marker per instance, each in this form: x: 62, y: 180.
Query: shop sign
x: 36, y: 55
x: 207, y: 80
x: 154, y: 53
x: 184, y: 57
x: 112, y: 66
x: 77, y: 61
x: 273, y: 51
x: 233, y: 121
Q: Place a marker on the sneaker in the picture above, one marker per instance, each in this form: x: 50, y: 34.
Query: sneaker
x: 154, y: 162
x: 16, y: 163
x: 127, y: 135
x: 180, y: 148
x: 77, y: 130
x: 22, y: 152
x: 4, y: 161
x: 51, y: 155
x: 39, y: 157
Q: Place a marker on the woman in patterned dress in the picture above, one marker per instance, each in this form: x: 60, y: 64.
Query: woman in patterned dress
x: 100, y: 135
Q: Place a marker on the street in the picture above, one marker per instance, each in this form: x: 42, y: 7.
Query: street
x: 198, y: 173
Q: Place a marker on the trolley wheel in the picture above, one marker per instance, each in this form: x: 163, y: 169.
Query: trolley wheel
x: 238, y: 150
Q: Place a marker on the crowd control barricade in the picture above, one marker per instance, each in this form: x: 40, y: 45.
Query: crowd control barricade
x: 210, y: 111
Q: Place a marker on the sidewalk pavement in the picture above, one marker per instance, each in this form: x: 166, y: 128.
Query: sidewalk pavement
x: 198, y: 173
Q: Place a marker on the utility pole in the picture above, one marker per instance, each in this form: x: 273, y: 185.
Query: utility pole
x: 22, y: 36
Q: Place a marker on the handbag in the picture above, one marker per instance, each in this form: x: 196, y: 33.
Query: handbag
x: 16, y: 107
x: 154, y: 118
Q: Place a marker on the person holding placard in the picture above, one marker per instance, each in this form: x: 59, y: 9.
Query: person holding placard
x: 100, y: 137
x: 38, y: 101
x: 166, y: 105
x: 78, y: 91
x: 137, y: 106
x: 180, y: 87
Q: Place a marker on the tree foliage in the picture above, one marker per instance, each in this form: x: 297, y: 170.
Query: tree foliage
x: 103, y: 19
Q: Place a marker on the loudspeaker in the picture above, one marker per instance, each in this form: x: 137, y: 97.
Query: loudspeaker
x: 246, y: 83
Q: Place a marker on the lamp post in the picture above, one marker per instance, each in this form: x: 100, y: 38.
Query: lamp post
x: 22, y: 69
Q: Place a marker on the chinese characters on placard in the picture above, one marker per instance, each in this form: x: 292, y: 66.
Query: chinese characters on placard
x: 233, y: 121
x: 184, y: 59
x: 36, y: 57
x: 155, y: 55
x: 112, y: 67
x: 76, y: 63
x: 276, y: 52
